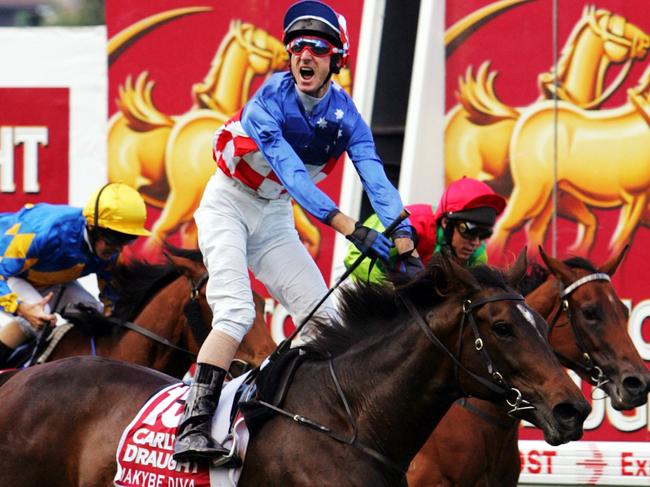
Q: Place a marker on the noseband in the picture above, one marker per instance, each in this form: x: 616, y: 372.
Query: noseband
x: 499, y: 385
x: 595, y: 373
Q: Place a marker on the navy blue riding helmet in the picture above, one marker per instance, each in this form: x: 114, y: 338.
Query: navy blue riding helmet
x: 311, y: 17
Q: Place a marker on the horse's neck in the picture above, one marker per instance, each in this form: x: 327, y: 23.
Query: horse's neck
x: 226, y: 86
x: 584, y: 73
x: 411, y: 384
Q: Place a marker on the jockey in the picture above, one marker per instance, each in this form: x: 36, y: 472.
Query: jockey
x: 287, y: 137
x: 459, y: 226
x: 45, y: 248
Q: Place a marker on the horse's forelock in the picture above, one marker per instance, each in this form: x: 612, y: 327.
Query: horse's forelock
x: 580, y: 263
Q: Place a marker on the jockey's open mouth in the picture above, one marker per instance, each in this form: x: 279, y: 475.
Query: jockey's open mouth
x: 306, y: 73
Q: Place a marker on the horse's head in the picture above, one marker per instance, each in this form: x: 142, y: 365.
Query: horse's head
x: 266, y: 54
x: 502, y: 340
x: 595, y: 339
x: 599, y: 39
x: 622, y: 40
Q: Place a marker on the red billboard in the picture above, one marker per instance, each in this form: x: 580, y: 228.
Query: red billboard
x: 177, y: 72
x: 34, y: 138
x: 568, y: 143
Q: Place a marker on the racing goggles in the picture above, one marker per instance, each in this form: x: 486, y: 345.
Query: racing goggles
x: 116, y: 239
x: 317, y: 46
x: 470, y: 231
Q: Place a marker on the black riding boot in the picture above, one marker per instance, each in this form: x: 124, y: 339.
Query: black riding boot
x: 5, y: 353
x: 193, y: 439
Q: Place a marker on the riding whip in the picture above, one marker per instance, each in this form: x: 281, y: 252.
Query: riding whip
x: 286, y: 343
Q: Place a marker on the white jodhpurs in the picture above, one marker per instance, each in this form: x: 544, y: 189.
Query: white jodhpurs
x: 238, y: 231
x: 71, y: 292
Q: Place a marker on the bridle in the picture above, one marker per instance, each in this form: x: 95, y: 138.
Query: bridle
x: 595, y: 373
x: 192, y: 313
x: 512, y: 395
x: 498, y: 384
x: 606, y: 36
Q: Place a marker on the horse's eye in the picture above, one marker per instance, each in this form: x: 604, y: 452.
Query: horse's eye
x: 591, y: 313
x: 502, y: 329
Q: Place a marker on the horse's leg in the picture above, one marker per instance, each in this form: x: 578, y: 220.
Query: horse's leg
x: 627, y: 222
x: 645, y: 221
x: 572, y: 208
x: 536, y: 230
x: 526, y: 202
x: 188, y: 166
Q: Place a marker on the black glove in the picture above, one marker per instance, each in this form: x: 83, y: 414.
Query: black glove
x: 408, y: 264
x: 370, y: 242
x: 81, y: 312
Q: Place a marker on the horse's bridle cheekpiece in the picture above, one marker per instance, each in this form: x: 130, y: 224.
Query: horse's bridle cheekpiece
x: 595, y: 373
x: 500, y: 386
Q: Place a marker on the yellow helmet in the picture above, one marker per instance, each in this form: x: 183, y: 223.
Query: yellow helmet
x: 118, y: 207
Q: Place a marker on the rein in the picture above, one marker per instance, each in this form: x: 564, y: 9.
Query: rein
x: 512, y: 395
x: 595, y: 373
x: 352, y: 440
x: 194, y: 325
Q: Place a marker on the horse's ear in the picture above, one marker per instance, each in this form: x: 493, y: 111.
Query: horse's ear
x: 557, y: 267
x: 185, y: 266
x: 517, y: 271
x: 612, y: 264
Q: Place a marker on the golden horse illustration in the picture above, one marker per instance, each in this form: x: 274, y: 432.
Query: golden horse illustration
x: 603, y: 161
x: 479, y: 128
x: 168, y: 158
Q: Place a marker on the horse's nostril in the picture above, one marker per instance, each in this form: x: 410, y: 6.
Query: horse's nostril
x: 634, y: 385
x: 565, y: 412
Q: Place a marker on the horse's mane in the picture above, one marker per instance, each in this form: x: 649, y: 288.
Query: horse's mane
x: 137, y: 281
x: 368, y: 310
x: 537, y: 274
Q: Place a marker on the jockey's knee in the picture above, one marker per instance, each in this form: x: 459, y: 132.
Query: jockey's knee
x: 17, y: 331
x: 235, y: 329
x: 26, y: 327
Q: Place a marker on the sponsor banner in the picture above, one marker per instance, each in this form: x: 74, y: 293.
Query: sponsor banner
x: 585, y: 463
x: 34, y: 136
x: 53, y: 114
x: 178, y: 71
x: 144, y: 455
x: 503, y: 127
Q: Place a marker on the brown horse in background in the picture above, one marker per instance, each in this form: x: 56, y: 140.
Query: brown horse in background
x: 156, y: 297
x: 373, y: 365
x: 476, y: 443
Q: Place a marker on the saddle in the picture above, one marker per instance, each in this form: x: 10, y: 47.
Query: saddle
x: 87, y: 319
x: 272, y: 384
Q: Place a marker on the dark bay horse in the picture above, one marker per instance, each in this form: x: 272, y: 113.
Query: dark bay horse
x: 383, y: 381
x: 156, y: 297
x: 476, y: 443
